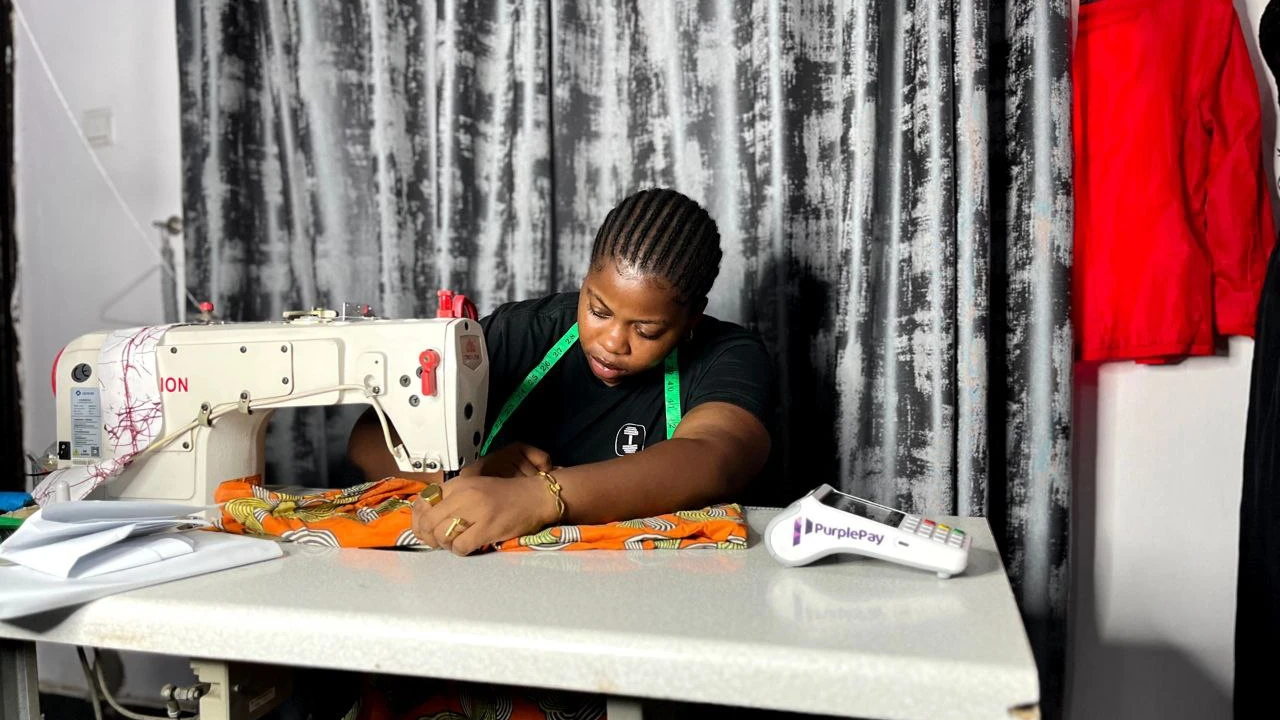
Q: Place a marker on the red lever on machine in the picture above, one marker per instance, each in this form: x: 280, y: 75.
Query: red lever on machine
x: 455, y: 305
x: 430, y: 360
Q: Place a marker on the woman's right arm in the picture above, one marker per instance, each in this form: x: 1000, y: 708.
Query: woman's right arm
x: 367, y: 450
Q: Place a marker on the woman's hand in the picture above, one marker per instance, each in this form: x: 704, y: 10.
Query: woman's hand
x: 514, y: 460
x: 480, y: 510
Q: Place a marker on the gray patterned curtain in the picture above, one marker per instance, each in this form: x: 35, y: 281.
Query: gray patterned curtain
x: 892, y: 181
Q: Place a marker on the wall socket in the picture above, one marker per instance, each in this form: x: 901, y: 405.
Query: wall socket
x: 99, y: 127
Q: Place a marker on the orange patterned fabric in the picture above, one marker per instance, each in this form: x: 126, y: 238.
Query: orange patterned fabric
x: 368, y: 515
x: 377, y: 514
x: 718, y: 526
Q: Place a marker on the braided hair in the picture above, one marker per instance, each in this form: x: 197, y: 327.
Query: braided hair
x: 664, y: 233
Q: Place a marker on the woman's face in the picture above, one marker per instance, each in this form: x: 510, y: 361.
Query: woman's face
x: 629, y: 321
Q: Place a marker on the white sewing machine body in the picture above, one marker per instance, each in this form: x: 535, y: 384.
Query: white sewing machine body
x: 429, y: 377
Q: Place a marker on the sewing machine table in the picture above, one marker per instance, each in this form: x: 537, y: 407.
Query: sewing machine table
x: 850, y: 637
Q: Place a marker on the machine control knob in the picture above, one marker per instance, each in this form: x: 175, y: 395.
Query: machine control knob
x: 430, y: 360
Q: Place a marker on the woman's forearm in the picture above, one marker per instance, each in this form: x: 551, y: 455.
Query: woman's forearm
x: 715, y: 452
x: 711, y: 458
x: 674, y: 475
x: 367, y: 450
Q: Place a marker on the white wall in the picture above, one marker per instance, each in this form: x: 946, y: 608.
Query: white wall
x: 1158, y: 475
x: 1158, y: 463
x: 77, y: 249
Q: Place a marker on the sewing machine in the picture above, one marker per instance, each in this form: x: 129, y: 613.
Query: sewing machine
x: 200, y: 397
x: 218, y: 383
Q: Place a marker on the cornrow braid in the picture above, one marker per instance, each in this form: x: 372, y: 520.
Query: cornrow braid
x: 664, y: 233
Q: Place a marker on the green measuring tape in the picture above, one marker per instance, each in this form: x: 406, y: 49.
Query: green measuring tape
x: 670, y: 387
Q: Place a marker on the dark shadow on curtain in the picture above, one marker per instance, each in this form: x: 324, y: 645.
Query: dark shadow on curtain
x: 804, y: 425
x: 1013, y: 131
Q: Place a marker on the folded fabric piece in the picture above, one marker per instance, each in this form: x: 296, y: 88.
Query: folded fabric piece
x: 95, y: 537
x: 10, y: 501
x: 369, y: 515
x: 24, y: 591
x: 720, y: 526
x: 377, y: 514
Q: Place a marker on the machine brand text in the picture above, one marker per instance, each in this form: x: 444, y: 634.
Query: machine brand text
x: 804, y: 526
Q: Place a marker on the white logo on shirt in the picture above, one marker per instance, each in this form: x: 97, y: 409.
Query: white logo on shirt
x: 630, y: 439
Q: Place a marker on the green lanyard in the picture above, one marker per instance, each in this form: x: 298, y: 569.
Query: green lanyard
x: 670, y: 386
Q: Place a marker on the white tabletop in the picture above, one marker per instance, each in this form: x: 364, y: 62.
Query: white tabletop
x: 848, y: 636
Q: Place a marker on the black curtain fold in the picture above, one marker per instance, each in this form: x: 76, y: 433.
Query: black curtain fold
x: 13, y: 467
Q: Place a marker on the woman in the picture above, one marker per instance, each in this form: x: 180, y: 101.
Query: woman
x: 589, y: 443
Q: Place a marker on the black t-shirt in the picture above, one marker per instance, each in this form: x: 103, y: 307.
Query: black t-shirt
x: 578, y: 419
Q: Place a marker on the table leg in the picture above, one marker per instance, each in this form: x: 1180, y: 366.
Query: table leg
x: 19, y: 689
x: 623, y: 709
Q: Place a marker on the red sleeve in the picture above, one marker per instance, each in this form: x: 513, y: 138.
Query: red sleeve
x: 1239, y: 228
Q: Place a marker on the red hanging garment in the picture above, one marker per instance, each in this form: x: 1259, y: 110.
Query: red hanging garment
x: 1173, y: 222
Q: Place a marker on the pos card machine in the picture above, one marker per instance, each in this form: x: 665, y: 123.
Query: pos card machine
x: 827, y: 521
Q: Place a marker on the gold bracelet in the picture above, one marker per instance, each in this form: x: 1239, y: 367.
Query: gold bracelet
x: 553, y: 487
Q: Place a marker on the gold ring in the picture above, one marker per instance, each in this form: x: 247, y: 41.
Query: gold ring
x: 457, y: 522
x: 432, y: 493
